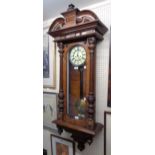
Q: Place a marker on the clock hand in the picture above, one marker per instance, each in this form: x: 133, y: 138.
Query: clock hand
x: 76, y: 55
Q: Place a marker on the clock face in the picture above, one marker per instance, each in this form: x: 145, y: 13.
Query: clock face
x: 77, y: 55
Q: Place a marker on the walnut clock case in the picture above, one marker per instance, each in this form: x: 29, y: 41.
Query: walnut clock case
x: 76, y: 35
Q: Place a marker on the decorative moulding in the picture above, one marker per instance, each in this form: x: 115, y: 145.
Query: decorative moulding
x: 76, y: 27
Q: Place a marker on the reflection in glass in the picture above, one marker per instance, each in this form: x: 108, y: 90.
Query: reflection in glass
x: 76, y: 100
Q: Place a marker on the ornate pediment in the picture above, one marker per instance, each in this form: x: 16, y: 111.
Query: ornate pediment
x: 57, y: 24
x: 76, y: 23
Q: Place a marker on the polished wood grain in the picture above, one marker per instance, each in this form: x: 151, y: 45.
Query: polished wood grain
x: 74, y: 81
x: 85, y: 29
x: 61, y: 91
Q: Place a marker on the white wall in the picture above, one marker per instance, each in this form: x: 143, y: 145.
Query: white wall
x: 103, y: 12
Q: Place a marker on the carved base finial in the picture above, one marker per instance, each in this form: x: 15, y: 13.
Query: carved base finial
x: 82, y: 139
x: 81, y: 146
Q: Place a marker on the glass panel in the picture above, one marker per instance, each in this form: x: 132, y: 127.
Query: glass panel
x: 76, y: 91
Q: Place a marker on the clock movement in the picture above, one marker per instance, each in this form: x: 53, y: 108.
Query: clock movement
x: 76, y: 35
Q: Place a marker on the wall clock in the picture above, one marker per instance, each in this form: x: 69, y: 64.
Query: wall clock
x: 76, y: 35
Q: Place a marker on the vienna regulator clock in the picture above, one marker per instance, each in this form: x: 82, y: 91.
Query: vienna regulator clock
x: 76, y: 35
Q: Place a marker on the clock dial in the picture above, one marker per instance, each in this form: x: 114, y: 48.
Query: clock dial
x: 77, y: 56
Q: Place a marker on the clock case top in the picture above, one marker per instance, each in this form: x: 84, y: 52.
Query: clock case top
x: 81, y: 28
x: 77, y: 25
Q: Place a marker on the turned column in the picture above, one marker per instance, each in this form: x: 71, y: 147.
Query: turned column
x: 61, y: 92
x: 91, y: 96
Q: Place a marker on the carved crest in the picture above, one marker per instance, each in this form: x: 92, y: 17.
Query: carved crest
x: 75, y: 24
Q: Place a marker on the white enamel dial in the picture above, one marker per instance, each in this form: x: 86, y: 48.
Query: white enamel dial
x: 77, y: 56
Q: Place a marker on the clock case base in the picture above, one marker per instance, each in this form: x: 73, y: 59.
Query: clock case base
x: 80, y: 134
